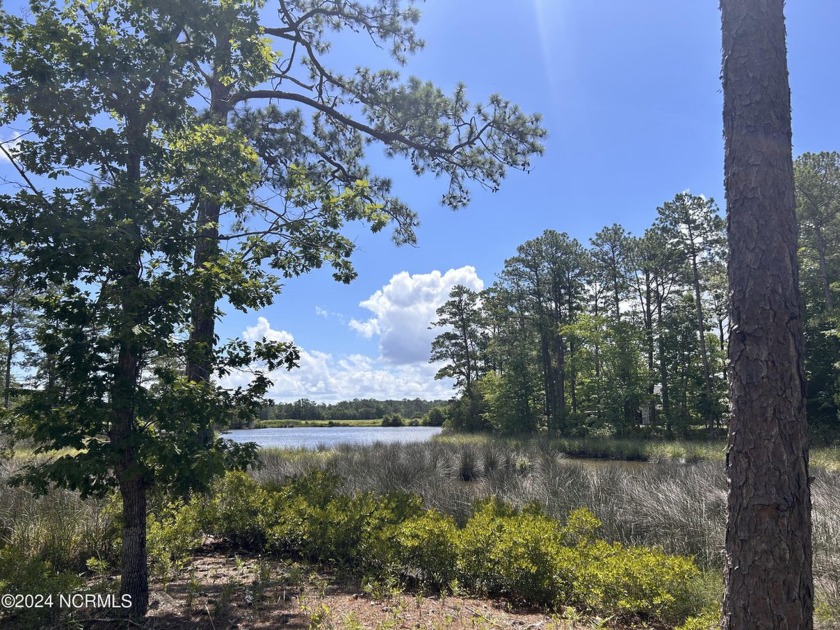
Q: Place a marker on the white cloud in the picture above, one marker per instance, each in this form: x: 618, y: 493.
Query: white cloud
x: 322, y: 312
x: 262, y: 330
x: 405, y: 307
x: 325, y: 378
x: 402, y: 311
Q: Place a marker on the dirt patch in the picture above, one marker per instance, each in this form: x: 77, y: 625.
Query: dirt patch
x: 219, y: 590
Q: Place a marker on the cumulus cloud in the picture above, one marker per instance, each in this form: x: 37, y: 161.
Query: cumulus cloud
x: 405, y: 307
x: 262, y: 331
x: 325, y: 378
x: 402, y: 311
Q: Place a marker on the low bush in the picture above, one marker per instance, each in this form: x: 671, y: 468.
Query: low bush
x: 21, y: 574
x: 425, y: 548
x: 520, y: 553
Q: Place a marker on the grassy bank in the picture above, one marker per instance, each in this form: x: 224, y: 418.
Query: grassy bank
x: 608, y: 448
x: 631, y: 449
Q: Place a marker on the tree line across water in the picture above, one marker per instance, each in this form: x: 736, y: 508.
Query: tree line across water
x: 633, y: 330
x: 356, y: 409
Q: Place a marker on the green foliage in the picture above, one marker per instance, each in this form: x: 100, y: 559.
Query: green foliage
x: 393, y: 420
x: 502, y: 550
x: 522, y: 554
x: 463, y: 337
x: 24, y: 575
x: 123, y: 249
x: 172, y: 532
x: 636, y: 581
x: 707, y: 621
x: 467, y: 412
x: 817, y: 178
x: 510, y: 400
x: 435, y: 417
x: 529, y: 556
x: 424, y: 548
x: 236, y: 508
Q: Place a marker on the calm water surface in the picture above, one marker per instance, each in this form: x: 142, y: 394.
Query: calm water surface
x: 313, y: 437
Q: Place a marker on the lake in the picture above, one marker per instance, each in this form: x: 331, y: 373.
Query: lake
x: 313, y: 437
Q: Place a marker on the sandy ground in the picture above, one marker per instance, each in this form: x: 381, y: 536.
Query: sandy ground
x: 218, y: 590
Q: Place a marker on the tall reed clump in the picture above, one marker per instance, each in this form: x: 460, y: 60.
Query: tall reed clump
x: 58, y: 528
x: 46, y: 542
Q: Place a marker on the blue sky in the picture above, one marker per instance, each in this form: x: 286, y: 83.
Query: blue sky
x: 630, y: 94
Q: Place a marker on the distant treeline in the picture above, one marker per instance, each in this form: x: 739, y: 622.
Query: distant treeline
x: 356, y: 409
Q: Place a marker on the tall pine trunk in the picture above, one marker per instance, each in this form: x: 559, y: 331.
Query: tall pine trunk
x: 203, y: 317
x: 768, y: 580
x: 10, y: 354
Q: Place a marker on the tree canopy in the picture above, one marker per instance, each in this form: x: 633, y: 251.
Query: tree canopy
x: 175, y: 154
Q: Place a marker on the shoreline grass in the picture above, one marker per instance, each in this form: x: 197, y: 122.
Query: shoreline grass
x: 671, y: 498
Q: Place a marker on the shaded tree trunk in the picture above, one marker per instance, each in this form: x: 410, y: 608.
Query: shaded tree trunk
x: 134, y: 576
x: 203, y: 334
x: 10, y: 353
x: 130, y: 473
x: 768, y: 580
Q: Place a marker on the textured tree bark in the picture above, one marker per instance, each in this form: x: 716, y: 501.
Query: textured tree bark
x: 768, y: 581
x: 134, y: 579
x: 10, y: 353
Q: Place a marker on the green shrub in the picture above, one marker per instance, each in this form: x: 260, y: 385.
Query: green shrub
x: 24, y: 575
x: 635, y: 581
x: 235, y: 509
x: 521, y: 553
x: 393, y: 420
x: 517, y: 553
x: 171, y: 533
x: 347, y: 530
x: 435, y: 418
x: 426, y: 548
x: 709, y: 620
x: 530, y: 557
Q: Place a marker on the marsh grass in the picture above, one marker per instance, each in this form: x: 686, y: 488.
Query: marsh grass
x: 675, y: 500
x: 57, y: 528
x: 678, y: 507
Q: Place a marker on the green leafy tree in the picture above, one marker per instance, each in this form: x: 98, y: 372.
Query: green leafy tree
x: 611, y: 251
x: 695, y: 230
x: 550, y: 271
x: 273, y: 168
x: 106, y: 91
x: 511, y: 397
x: 817, y: 177
x: 310, y: 126
x: 461, y: 343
